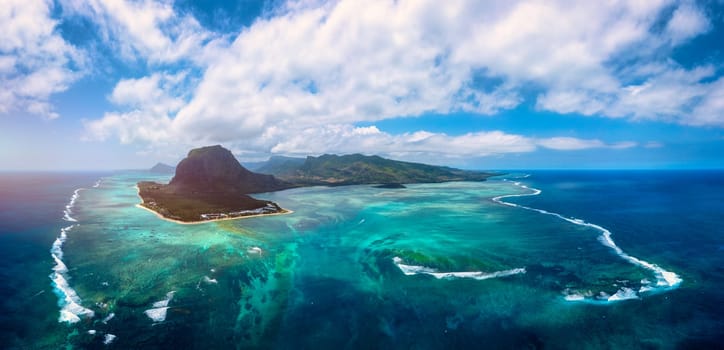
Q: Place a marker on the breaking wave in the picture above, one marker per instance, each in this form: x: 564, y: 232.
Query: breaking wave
x: 664, y: 279
x: 71, y: 310
x: 478, y: 275
x: 160, y: 308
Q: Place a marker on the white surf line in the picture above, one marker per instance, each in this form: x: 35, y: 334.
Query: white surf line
x: 71, y: 310
x: 160, y: 308
x: 410, y: 270
x: 664, y: 279
x: 69, y: 207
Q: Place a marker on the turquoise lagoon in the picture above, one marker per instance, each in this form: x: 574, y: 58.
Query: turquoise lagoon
x: 491, y: 264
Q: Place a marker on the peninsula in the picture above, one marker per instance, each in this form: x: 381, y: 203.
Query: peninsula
x: 210, y: 184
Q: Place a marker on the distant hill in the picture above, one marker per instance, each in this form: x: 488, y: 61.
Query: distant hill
x: 360, y: 169
x: 280, y: 165
x: 266, y: 166
x: 210, y: 184
x: 161, y: 168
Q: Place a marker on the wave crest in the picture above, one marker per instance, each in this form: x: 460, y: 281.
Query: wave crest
x: 478, y: 275
x: 664, y: 279
x: 71, y: 310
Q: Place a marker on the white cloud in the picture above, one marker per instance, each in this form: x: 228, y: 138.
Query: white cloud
x: 133, y: 126
x: 348, y: 139
x: 298, y: 80
x: 572, y: 144
x: 35, y: 61
x: 568, y: 101
x: 351, y: 62
x: 149, y: 104
x: 686, y: 22
x: 569, y: 143
x: 425, y: 145
x: 668, y: 93
x: 145, y: 29
x: 152, y: 93
x: 710, y: 111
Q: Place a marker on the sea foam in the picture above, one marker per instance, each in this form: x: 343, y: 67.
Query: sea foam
x: 624, y: 294
x: 664, y: 279
x: 69, y: 207
x: 575, y: 297
x: 71, y: 310
x: 478, y: 275
x: 160, y: 308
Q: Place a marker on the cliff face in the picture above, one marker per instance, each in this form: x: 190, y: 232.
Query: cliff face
x: 214, y: 169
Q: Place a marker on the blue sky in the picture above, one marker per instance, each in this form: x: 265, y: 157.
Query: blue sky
x: 111, y: 84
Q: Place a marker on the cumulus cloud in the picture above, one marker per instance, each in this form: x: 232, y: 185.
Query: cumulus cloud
x: 667, y: 92
x: 35, y: 61
x: 133, y: 126
x: 148, y: 104
x: 298, y: 80
x: 687, y: 22
x: 154, y: 93
x: 426, y: 146
x: 146, y: 29
x: 349, y: 139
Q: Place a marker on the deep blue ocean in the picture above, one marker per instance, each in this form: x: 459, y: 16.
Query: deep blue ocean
x: 493, y: 264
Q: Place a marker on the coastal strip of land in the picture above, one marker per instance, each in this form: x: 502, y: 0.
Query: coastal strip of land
x: 201, y: 220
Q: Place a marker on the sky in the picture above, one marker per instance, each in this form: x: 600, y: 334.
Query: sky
x: 113, y: 84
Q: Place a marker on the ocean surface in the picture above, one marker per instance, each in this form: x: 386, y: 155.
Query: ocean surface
x: 541, y: 259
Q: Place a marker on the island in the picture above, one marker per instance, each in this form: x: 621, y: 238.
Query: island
x: 210, y: 184
x: 161, y: 168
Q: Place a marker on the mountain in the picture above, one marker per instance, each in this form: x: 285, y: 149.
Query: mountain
x: 161, y: 168
x: 215, y: 169
x: 360, y: 169
x: 273, y: 161
x: 280, y: 165
x: 210, y: 184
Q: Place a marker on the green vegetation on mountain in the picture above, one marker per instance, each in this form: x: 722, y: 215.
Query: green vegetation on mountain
x: 357, y: 169
x: 280, y: 165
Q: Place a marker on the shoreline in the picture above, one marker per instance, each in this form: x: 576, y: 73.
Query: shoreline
x: 140, y: 205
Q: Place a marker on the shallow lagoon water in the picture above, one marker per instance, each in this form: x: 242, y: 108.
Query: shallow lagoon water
x: 363, y: 267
